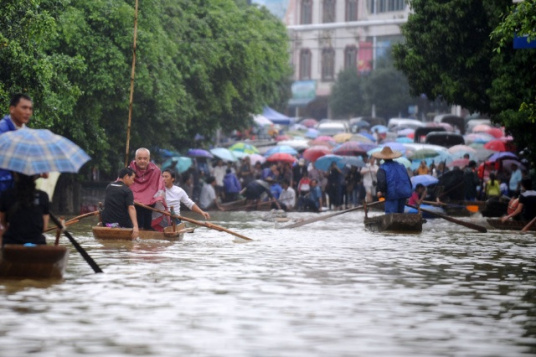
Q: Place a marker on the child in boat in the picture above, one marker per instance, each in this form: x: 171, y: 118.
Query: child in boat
x: 418, y: 195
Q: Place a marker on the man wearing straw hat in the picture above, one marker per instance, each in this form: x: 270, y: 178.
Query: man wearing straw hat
x: 393, y: 181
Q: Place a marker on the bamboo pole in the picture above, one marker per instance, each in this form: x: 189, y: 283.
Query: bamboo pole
x: 132, y: 75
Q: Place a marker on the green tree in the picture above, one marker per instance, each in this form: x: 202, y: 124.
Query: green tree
x: 447, y: 50
x: 26, y: 28
x: 346, y: 100
x: 450, y: 54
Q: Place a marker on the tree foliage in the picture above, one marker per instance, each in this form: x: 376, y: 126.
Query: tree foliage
x: 201, y: 65
x: 386, y: 88
x: 461, y: 51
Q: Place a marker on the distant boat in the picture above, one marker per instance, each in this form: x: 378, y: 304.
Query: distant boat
x: 395, y: 222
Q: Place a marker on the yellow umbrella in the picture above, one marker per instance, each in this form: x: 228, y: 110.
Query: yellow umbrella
x: 342, y: 137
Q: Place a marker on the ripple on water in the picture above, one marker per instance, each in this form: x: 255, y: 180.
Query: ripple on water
x: 327, y: 288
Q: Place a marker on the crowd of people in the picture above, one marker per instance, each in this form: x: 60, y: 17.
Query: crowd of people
x: 142, y: 191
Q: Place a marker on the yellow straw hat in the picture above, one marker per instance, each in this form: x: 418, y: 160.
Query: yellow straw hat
x: 386, y: 154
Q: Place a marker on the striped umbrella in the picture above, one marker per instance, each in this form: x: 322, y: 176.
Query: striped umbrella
x: 244, y: 148
x: 36, y: 151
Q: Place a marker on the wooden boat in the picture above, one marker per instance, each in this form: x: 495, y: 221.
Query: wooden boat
x: 510, y: 225
x: 107, y: 233
x: 395, y: 222
x: 38, y: 262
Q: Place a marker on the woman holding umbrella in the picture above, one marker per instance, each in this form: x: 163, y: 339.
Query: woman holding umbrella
x: 24, y: 212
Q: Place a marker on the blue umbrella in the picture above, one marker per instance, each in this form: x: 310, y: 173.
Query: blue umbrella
x: 311, y: 133
x: 395, y: 146
x: 362, y: 124
x: 323, y: 163
x: 356, y: 161
x: 367, y: 135
x: 403, y: 139
x: 282, y: 149
x: 425, y: 180
x: 199, y: 153
x: 36, y: 151
x: 177, y: 163
x: 224, y: 154
x: 381, y: 129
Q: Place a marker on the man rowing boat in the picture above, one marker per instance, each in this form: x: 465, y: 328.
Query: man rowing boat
x: 176, y: 195
x: 393, y: 181
x: 119, y: 210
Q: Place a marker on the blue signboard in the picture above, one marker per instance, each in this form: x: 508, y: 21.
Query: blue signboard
x: 521, y: 42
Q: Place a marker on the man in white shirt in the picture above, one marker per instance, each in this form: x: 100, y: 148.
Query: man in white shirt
x: 208, y: 198
x: 287, y: 198
x: 175, y: 195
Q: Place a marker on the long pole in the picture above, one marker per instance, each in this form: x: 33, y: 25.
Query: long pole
x: 132, y: 74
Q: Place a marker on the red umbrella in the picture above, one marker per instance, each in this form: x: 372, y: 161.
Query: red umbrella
x: 281, y: 156
x: 496, y: 132
x: 495, y: 145
x: 309, y: 123
x: 314, y: 152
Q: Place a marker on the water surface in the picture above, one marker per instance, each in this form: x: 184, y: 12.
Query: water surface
x: 325, y: 289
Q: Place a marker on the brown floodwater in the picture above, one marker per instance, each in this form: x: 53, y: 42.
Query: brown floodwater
x: 325, y: 289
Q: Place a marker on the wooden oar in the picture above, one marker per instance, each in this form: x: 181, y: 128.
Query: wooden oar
x: 453, y: 220
x: 78, y: 247
x: 199, y: 223
x: 75, y: 220
x: 321, y: 218
x: 527, y: 227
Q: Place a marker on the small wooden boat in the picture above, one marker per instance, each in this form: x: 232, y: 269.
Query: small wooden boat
x: 510, y: 225
x: 107, y: 233
x: 395, y: 222
x: 37, y: 262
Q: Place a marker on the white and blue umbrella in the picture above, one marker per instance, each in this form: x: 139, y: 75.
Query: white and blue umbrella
x: 285, y: 149
x: 224, y: 154
x: 425, y: 180
x: 380, y: 128
x: 178, y: 163
x: 36, y: 151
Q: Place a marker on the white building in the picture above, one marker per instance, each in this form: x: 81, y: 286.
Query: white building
x: 328, y: 36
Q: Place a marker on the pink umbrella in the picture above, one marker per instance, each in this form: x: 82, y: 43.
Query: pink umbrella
x: 461, y: 163
x: 323, y: 140
x: 481, y: 128
x: 281, y: 156
x: 353, y: 148
x: 309, y: 123
x: 464, y: 148
x: 314, y: 152
x: 254, y: 158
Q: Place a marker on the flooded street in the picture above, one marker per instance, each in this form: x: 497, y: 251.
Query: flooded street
x: 324, y: 289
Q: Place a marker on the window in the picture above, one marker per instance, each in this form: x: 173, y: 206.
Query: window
x: 351, y: 10
x: 328, y: 64
x: 350, y: 57
x: 328, y: 11
x: 306, y: 12
x: 305, y: 64
x: 378, y: 6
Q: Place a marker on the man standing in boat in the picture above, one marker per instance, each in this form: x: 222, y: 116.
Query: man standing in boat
x: 119, y: 210
x: 20, y: 112
x: 393, y: 181
x: 148, y: 189
x: 175, y: 195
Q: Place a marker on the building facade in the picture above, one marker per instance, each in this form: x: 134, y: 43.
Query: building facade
x: 327, y: 36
